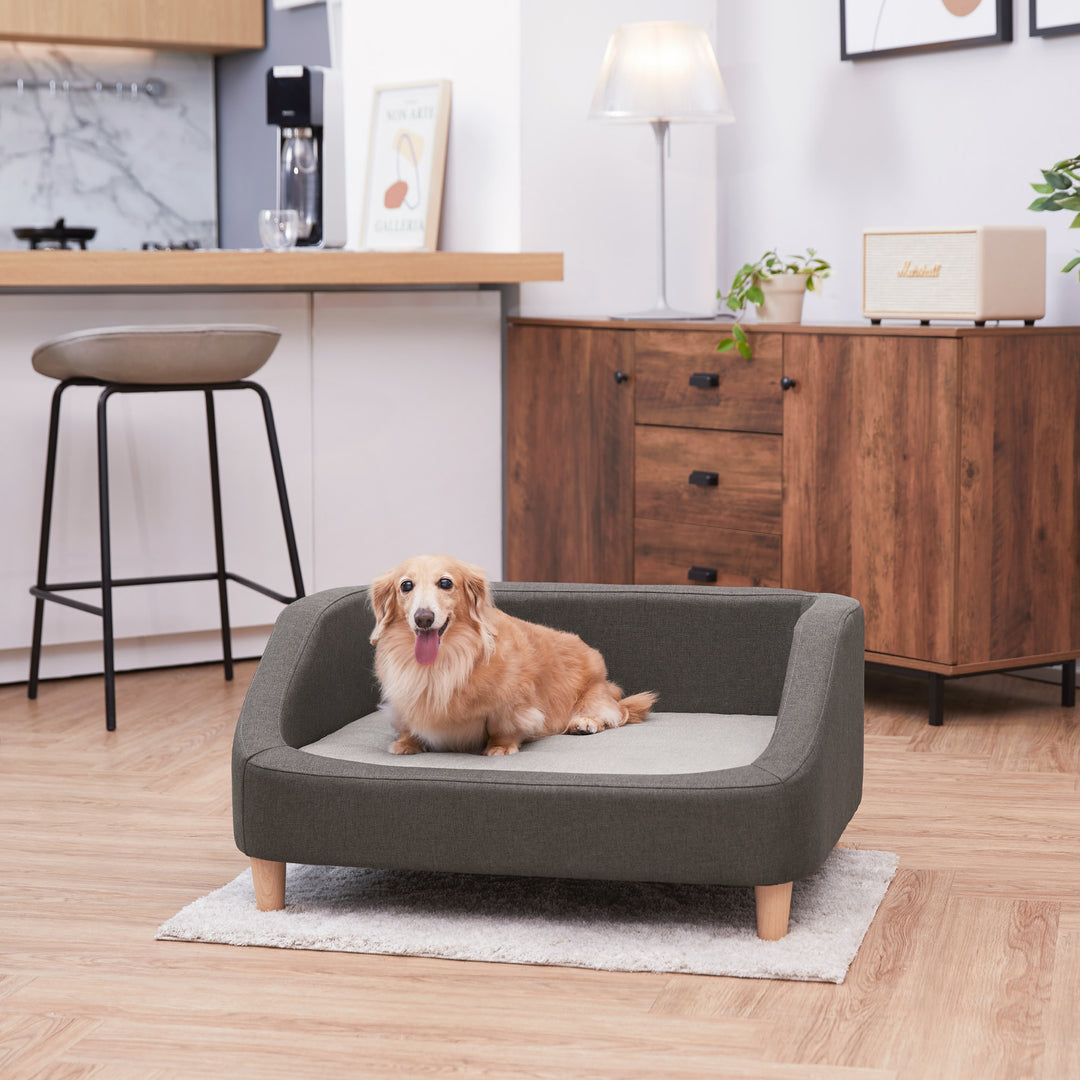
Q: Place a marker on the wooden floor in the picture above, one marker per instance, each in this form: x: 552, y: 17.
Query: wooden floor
x: 970, y: 970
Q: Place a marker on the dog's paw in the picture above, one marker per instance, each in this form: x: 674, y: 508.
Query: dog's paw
x: 495, y: 751
x: 407, y: 745
x: 585, y: 725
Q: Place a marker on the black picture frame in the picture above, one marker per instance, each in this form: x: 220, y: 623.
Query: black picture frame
x: 1034, y: 29
x: 1003, y: 33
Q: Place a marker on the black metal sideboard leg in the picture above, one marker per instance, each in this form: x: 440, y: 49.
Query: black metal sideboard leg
x: 937, y: 699
x: 1068, y: 684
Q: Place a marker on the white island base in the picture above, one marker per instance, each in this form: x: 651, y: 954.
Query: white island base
x: 389, y: 413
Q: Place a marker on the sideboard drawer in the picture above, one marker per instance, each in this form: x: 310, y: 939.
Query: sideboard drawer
x: 729, y: 479
x: 668, y: 554
x: 737, y: 394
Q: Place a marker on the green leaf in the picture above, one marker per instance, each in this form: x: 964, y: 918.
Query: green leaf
x: 1038, y: 204
x: 1075, y: 222
x: 1071, y: 203
x: 744, y: 350
x: 1043, y: 189
x: 725, y: 345
x: 1071, y: 265
x: 755, y: 295
x: 740, y: 334
x: 1056, y: 179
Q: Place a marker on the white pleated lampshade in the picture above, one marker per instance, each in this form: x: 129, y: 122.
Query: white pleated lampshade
x: 660, y: 71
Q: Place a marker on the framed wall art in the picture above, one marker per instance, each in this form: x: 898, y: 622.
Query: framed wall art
x: 1048, y: 18
x: 406, y: 165
x: 872, y: 28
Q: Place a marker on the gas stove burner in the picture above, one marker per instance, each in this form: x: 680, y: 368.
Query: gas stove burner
x: 58, y: 236
x: 171, y: 245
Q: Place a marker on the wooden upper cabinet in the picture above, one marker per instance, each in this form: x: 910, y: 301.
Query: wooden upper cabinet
x: 870, y: 483
x: 210, y: 26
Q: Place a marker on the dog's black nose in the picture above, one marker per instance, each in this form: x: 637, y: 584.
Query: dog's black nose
x: 424, y: 619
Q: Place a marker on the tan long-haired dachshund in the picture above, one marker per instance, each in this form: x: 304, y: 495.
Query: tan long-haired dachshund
x: 460, y: 675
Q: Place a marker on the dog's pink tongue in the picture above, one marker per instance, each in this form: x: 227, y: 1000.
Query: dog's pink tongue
x: 427, y: 646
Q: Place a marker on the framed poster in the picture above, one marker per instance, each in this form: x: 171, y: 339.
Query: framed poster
x: 870, y: 28
x: 406, y: 164
x: 1048, y: 18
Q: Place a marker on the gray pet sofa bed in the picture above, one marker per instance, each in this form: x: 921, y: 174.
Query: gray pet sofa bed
x: 745, y: 775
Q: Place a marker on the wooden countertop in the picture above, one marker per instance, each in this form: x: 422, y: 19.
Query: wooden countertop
x: 722, y: 325
x: 265, y: 271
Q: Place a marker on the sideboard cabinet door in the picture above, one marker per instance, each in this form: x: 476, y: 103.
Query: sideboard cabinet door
x: 569, y: 454
x: 870, y: 507
x: 1019, y: 559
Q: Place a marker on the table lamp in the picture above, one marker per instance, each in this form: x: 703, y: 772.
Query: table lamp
x: 659, y: 72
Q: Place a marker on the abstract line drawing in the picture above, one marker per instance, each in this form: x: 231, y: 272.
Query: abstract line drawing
x: 408, y: 150
x: 891, y: 27
x: 960, y: 8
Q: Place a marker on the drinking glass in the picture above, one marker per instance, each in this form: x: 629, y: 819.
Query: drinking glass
x: 278, y: 229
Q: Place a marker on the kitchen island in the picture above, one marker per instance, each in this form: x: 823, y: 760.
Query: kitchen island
x: 387, y: 388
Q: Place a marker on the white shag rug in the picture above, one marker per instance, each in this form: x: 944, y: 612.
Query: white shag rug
x: 605, y: 925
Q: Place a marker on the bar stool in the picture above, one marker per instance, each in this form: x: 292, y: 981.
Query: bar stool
x: 154, y: 360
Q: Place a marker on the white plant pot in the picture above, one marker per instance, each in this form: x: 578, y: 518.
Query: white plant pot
x: 783, y: 299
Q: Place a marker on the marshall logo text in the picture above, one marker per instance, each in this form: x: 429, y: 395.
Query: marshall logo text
x: 909, y: 270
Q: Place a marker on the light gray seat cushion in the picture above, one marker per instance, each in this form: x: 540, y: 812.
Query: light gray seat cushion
x: 203, y: 353
x: 665, y: 744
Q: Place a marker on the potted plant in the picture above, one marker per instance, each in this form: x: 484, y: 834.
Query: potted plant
x: 1060, y: 190
x: 776, y: 287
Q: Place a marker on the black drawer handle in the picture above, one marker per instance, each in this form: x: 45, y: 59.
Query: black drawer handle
x: 704, y: 479
x: 707, y: 380
x: 621, y: 377
x: 786, y: 383
x: 705, y: 574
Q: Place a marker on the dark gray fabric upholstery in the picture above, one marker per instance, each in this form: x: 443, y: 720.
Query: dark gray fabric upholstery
x: 797, y: 656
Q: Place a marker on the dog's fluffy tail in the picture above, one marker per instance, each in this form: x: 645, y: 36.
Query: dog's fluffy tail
x: 637, y: 706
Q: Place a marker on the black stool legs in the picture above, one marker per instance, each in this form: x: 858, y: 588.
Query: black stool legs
x: 106, y: 560
x: 219, y: 536
x: 43, y: 591
x: 43, y: 549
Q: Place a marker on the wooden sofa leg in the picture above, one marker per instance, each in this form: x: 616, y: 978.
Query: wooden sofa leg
x: 773, y: 909
x: 269, y: 881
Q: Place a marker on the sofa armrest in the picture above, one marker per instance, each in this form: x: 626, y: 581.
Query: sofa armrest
x: 817, y: 748
x: 316, y: 675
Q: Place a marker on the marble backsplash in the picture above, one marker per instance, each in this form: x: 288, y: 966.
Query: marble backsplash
x: 136, y: 166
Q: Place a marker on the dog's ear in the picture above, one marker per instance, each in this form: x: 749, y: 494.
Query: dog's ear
x: 477, y: 591
x: 383, y: 603
x: 479, y: 603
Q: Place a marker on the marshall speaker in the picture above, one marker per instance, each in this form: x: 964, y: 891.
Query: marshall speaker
x: 979, y: 272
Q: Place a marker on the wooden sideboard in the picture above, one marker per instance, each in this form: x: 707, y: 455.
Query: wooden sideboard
x: 930, y: 472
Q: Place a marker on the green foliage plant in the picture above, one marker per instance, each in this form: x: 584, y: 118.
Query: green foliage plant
x: 1060, y: 190
x: 746, y: 289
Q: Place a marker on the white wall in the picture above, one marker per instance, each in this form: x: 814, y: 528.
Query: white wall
x: 476, y: 44
x: 823, y: 148
x: 589, y: 188
x: 820, y: 149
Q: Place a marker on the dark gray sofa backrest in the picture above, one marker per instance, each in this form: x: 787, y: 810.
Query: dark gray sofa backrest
x: 701, y: 648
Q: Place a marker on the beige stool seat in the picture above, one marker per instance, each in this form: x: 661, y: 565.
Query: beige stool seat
x: 158, y: 355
